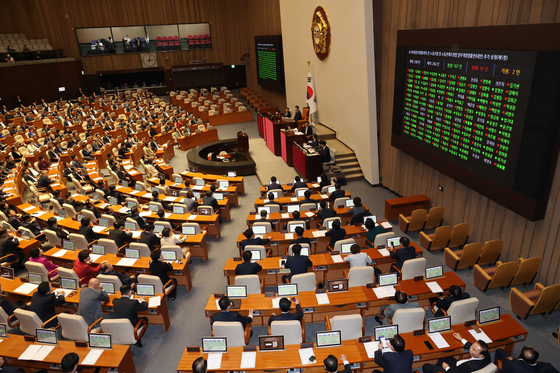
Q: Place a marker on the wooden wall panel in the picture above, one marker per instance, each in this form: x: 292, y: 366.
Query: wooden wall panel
x: 234, y: 23
x: 406, y: 176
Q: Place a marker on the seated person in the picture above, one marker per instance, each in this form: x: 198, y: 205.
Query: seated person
x: 155, y: 198
x: 149, y: 237
x: 36, y: 256
x: 478, y: 359
x: 274, y: 184
x: 90, y: 207
x: 298, y: 183
x: 526, y: 363
x: 403, y: 254
x: 358, y: 207
x: 357, y: 258
x: 31, y: 223
x: 128, y: 308
x: 338, y: 193
x: 161, y: 217
x: 169, y: 239
x: 285, y: 305
x: 44, y: 301
x: 135, y: 215
x: 271, y: 201
x: 336, y: 233
x: 325, y: 181
x: 300, y: 239
x: 9, y: 245
x: 297, y: 263
x: 443, y: 304
x: 208, y: 200
x: 119, y: 235
x: 263, y: 218
x: 160, y: 268
x: 106, y: 268
x: 87, y: 231
x: 83, y: 268
x: 228, y: 315
x: 372, y: 232
x: 398, y: 360
x: 247, y: 267
x: 388, y: 311
x: 91, y: 299
x: 296, y: 216
x: 307, y: 198
x: 250, y: 239
x: 326, y: 211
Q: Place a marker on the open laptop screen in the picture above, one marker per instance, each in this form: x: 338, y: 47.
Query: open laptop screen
x: 439, y: 324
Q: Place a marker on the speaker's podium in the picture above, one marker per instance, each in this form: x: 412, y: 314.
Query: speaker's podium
x: 242, y: 142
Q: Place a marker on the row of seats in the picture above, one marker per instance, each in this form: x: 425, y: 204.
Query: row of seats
x: 445, y: 237
x: 32, y: 44
x: 473, y: 253
x: 421, y: 220
x: 13, y: 37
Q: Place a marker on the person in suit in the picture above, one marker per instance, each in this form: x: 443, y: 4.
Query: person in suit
x: 388, y: 311
x: 298, y: 183
x: 28, y: 177
x: 274, y: 184
x: 87, y: 231
x: 372, y: 232
x: 307, y: 198
x: 230, y: 316
x: 44, y: 301
x: 247, y: 268
x: 287, y: 113
x: 272, y: 202
x: 479, y: 358
x: 149, y: 237
x: 161, y: 217
x: 119, y: 235
x: 158, y: 267
x: 33, y: 226
x: 11, y: 369
x: 209, y: 200
x: 200, y: 365
x: 53, y: 226
x: 90, y: 207
x: 326, y: 211
x: 331, y: 364
x: 398, y: 360
x: 526, y: 363
x: 297, y: 114
x: 113, y: 192
x: 128, y: 308
x: 285, y: 305
x: 44, y: 181
x: 91, y: 300
x: 300, y: 239
x: 403, y: 254
x: 250, y: 239
x: 9, y: 245
x: 296, y: 216
x: 324, y: 151
x: 135, y: 215
x: 13, y: 219
x: 338, y: 193
x: 101, y: 187
x: 443, y: 304
x: 336, y: 233
x: 306, y: 128
x: 107, y: 269
x: 358, y: 207
x: 297, y: 263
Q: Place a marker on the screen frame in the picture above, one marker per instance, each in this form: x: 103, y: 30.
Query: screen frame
x: 103, y: 334
x: 328, y: 332
x: 50, y: 331
x: 486, y: 309
x: 287, y: 286
x: 271, y: 349
x: 426, y: 272
x: 439, y: 318
x: 236, y: 286
x: 210, y: 351
x: 387, y: 275
x: 375, y: 328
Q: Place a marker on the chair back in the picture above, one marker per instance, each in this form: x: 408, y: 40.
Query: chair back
x: 290, y: 252
x: 29, y: 322
x: 338, y: 244
x: 412, y: 268
x: 441, y: 237
x: 490, y: 368
x: 130, y: 220
x: 360, y: 276
x: 70, y: 211
x: 110, y: 218
x: 491, y: 252
x: 504, y: 273
x: 305, y: 281
x: 462, y: 310
x: 296, y: 222
x: 205, y: 207
x: 260, y: 248
x: 327, y: 220
x: 3, y: 216
x: 38, y: 268
x: 548, y: 299
x: 90, y: 215
x: 527, y: 271
x: 459, y: 236
x: 350, y: 326
x: 274, y: 208
x: 265, y: 224
x: 74, y: 327
x: 470, y: 254
x: 68, y: 273
x: 195, y: 225
x: 4, y: 318
x: 144, y: 248
x: 151, y: 280
x: 22, y: 229
x: 290, y: 329
x: 434, y: 218
x: 253, y: 283
x: 409, y: 319
x: 165, y: 224
x: 381, y: 239
x: 307, y: 207
x: 110, y: 278
x: 121, y: 330
x: 56, y: 205
x: 417, y: 220
x: 340, y: 202
x: 110, y: 245
x: 180, y: 252
x: 79, y: 241
x: 233, y: 331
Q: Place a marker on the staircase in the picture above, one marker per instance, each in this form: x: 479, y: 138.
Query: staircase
x: 345, y: 157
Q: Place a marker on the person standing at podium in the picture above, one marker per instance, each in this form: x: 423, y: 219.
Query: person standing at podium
x: 297, y: 114
x: 287, y: 113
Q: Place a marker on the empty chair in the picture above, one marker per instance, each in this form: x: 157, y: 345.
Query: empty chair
x: 70, y: 210
x: 381, y: 239
x: 80, y: 241
x: 142, y: 247
x: 10, y: 321
x: 233, y: 331
x: 499, y: 276
x: 490, y: 368
x: 89, y: 214
x: 110, y: 278
x: 360, y: 276
x: 541, y: 300
x: 74, y: 327
x: 411, y: 268
x: 527, y: 271
x: 459, y: 236
x: 491, y: 252
x: 350, y: 326
x: 308, y: 207
x: 29, y: 322
x: 110, y: 218
x: 69, y: 273
x: 255, y: 285
x: 462, y: 310
x: 41, y: 196
x: 466, y: 258
x: 292, y: 330
x: 136, y: 226
x: 414, y: 222
x: 52, y: 239
x: 39, y: 268
x: 338, y: 244
x: 274, y: 208
x: 434, y: 218
x: 295, y: 223
x: 56, y: 205
x: 155, y: 280
x: 122, y: 331
x: 409, y: 320
x: 340, y: 202
x: 305, y: 281
x: 109, y: 245
x: 437, y: 240
x: 267, y: 225
x: 204, y: 208
x: 196, y: 227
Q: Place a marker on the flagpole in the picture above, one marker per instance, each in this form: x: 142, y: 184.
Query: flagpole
x: 308, y: 68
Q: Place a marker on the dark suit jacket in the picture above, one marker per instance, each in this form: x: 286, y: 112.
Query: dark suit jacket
x: 519, y: 366
x: 43, y: 305
x: 126, y: 308
x: 337, y: 194
x: 160, y: 269
x: 298, y: 264
x: 59, y: 232
x: 326, y: 213
x: 6, y: 306
x: 275, y: 186
x: 141, y: 222
x: 335, y: 235
x: 301, y: 240
x: 44, y: 182
x: 119, y: 236
x: 395, y: 362
x: 403, y: 254
x: 297, y: 115
x: 248, y: 268
x: 471, y: 365
x: 301, y: 184
x: 298, y: 315
x: 254, y: 241
x: 89, y: 234
x: 149, y: 239
x: 231, y: 316
x: 445, y: 303
x: 125, y: 279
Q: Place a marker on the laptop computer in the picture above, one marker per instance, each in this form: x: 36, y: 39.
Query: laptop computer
x: 153, y: 207
x: 6, y: 272
x: 277, y: 193
x: 304, y: 251
x: 372, y: 217
x: 112, y: 201
x: 204, y: 211
x: 178, y: 180
x: 349, y: 203
x: 130, y: 225
x: 79, y: 217
x: 62, y: 213
x: 331, y: 189
x: 223, y: 184
x: 255, y: 255
x: 235, y: 293
x: 131, y: 204
x: 124, y: 183
x: 3, y: 331
x: 331, y: 338
x: 199, y: 182
x: 232, y: 173
x: 301, y: 193
x: 138, y: 187
x: 145, y: 290
x: 219, y: 196
x: 259, y: 229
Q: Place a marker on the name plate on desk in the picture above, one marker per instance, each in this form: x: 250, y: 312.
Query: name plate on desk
x: 470, y: 322
x: 306, y: 345
x: 320, y: 291
x: 29, y: 338
x: 193, y: 349
x: 271, y: 272
x: 237, y: 259
x: 418, y: 332
x: 370, y: 286
x: 335, y: 252
x: 249, y: 348
x: 364, y: 339
x: 418, y: 278
x: 218, y: 295
x: 269, y: 294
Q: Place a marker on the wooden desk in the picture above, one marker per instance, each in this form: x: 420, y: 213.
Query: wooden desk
x: 189, y: 142
x: 166, y: 153
x: 119, y: 357
x: 296, y: 200
x: 228, y: 118
x: 504, y: 333
x: 405, y: 206
x: 135, y: 155
x: 286, y: 141
x: 236, y: 180
x: 163, y: 138
x: 309, y: 166
x: 230, y: 193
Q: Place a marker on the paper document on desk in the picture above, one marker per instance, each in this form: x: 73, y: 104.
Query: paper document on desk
x: 30, y: 352
x: 214, y: 361
x: 119, y: 187
x: 480, y: 335
x: 92, y: 356
x: 337, y: 259
x: 285, y: 216
x: 276, y: 302
x: 289, y: 236
x: 135, y: 192
x: 39, y: 213
x: 136, y: 234
x: 147, y: 195
x: 98, y: 229
x: 309, y: 214
x: 248, y: 360
x: 124, y: 210
x: 154, y: 302
x: 103, y: 205
x: 192, y: 217
x: 384, y: 252
x: 169, y: 199
x: 434, y: 287
x: 28, y: 208
x: 94, y: 257
x: 167, y: 214
x: 293, y: 199
x: 305, y: 355
x: 197, y: 187
x: 43, y: 352
x: 438, y: 339
x: 319, y: 233
x: 145, y: 213
x: 126, y: 262
x: 384, y: 291
x: 386, y: 225
x: 315, y: 185
x: 322, y: 298
x: 371, y: 347
x: 60, y: 253
x: 26, y: 288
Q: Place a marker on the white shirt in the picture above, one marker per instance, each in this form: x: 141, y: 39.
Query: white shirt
x: 459, y: 362
x: 172, y: 240
x: 359, y: 259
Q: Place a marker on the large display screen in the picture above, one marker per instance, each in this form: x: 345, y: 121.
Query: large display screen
x: 483, y: 116
x: 270, y: 62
